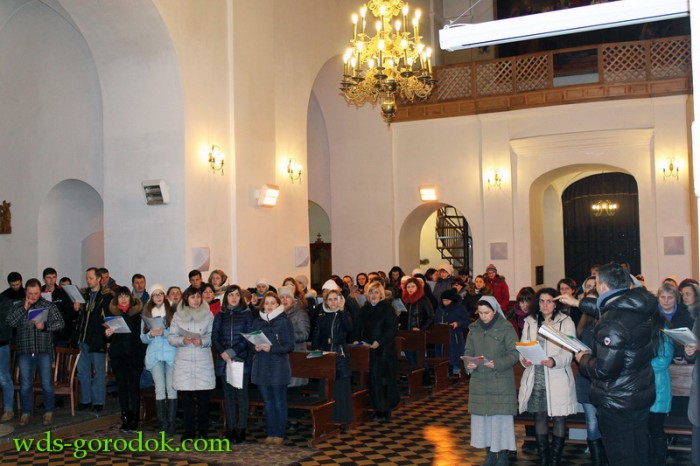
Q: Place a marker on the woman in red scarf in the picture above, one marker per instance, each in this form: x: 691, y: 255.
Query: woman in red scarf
x: 420, y: 313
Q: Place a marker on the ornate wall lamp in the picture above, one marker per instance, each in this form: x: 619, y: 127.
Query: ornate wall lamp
x: 494, y: 182
x: 670, y: 171
x: 216, y: 159
x: 294, y: 170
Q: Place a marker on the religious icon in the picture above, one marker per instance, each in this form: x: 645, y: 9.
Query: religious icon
x: 5, y: 218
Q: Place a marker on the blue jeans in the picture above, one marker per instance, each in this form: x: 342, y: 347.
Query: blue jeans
x: 592, y: 429
x: 28, y: 363
x: 275, y: 398
x: 625, y: 435
x: 8, y: 390
x: 91, y: 390
x: 163, y: 380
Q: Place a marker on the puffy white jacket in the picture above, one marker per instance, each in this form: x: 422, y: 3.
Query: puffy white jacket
x: 194, y: 365
x: 559, y: 380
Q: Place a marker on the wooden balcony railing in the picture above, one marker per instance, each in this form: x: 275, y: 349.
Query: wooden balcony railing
x: 622, y: 70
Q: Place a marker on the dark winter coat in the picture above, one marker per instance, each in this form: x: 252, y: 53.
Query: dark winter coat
x: 65, y: 307
x: 88, y: 326
x: 126, y: 350
x: 272, y: 368
x: 420, y: 312
x: 500, y: 291
x: 5, y: 329
x: 226, y: 336
x: 455, y: 312
x: 492, y: 391
x: 378, y: 323
x: 331, y: 334
x: 620, y: 366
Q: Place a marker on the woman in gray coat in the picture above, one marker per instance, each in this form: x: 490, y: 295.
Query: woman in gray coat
x: 190, y: 333
x: 490, y: 355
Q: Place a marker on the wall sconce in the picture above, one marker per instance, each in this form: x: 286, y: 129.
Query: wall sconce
x: 294, y: 170
x: 267, y: 195
x: 428, y: 193
x: 494, y: 181
x: 216, y: 159
x: 671, y: 171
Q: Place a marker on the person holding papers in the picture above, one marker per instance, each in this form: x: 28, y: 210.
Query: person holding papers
x: 331, y: 334
x: 619, y: 366
x: 190, y: 333
x: 451, y: 311
x: 126, y: 354
x: 229, y: 345
x: 89, y: 335
x: 271, y: 371
x: 376, y: 326
x: 674, y: 312
x: 156, y: 318
x: 492, y: 402
x: 691, y: 298
x: 547, y: 386
x: 35, y: 320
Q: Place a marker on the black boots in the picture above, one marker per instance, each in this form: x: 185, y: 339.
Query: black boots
x: 543, y: 449
x: 161, y: 411
x: 557, y: 450
x: 597, y: 452
x: 657, y: 451
x: 130, y: 421
x: 125, y: 421
x: 171, y: 414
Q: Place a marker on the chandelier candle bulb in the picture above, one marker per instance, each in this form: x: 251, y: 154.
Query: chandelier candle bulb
x: 354, y: 26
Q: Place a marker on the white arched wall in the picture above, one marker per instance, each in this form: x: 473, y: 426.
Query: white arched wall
x: 71, y: 233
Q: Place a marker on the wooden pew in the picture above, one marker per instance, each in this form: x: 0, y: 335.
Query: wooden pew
x: 359, y: 364
x: 320, y: 404
x: 439, y: 334
x: 410, y: 340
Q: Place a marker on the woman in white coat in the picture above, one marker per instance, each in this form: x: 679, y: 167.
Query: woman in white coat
x: 190, y: 333
x: 547, y: 387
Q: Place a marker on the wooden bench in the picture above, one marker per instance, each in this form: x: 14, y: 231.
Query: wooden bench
x: 320, y: 403
x: 359, y: 364
x: 673, y: 426
x: 412, y: 340
x: 439, y: 334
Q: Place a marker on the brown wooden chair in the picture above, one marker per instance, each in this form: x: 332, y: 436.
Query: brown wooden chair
x: 65, y: 383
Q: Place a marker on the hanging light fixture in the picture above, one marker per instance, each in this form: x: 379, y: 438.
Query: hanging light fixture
x: 394, y: 63
x: 606, y: 207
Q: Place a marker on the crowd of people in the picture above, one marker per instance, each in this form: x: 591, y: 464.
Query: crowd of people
x: 185, y: 340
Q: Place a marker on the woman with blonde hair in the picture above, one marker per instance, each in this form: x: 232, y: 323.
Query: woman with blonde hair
x: 377, y: 327
x: 217, y: 279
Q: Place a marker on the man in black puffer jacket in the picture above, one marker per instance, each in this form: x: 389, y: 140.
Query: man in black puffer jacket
x: 622, y: 379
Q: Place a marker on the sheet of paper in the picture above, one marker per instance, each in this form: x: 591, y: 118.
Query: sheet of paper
x: 40, y: 314
x: 399, y: 305
x: 478, y: 360
x: 47, y: 296
x: 186, y: 333
x: 74, y: 293
x: 532, y: 351
x: 257, y: 338
x: 117, y: 323
x: 153, y: 322
x: 564, y: 340
x: 682, y: 335
x: 234, y: 374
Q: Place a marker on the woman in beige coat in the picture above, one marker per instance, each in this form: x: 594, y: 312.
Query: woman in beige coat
x: 547, y: 387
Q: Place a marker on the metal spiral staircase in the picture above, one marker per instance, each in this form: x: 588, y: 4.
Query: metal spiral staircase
x: 452, y: 237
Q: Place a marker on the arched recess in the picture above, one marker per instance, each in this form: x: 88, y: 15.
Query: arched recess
x: 71, y: 229
x: 320, y: 245
x: 546, y: 221
x: 413, y: 237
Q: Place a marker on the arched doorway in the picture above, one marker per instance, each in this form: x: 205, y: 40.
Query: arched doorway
x: 601, y: 223
x: 433, y: 234
x: 320, y: 245
x: 71, y: 229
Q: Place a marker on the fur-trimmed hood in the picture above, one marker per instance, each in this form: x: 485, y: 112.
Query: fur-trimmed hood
x: 135, y: 307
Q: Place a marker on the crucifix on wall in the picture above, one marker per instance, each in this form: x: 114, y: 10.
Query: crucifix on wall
x: 5, y: 218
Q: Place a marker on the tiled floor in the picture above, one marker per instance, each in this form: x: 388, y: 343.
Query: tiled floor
x: 434, y: 430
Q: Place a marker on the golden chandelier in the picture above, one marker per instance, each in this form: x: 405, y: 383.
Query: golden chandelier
x: 394, y: 61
